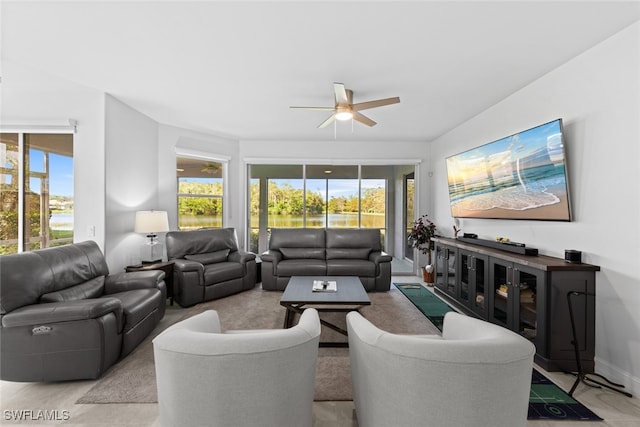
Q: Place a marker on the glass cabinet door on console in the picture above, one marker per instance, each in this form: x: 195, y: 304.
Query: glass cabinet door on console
x: 464, y: 291
x: 513, y: 301
x: 474, y: 277
x: 446, y: 269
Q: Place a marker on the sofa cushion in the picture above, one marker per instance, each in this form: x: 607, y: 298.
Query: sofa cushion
x: 138, y: 304
x: 222, y: 272
x: 301, y: 267
x: 296, y: 238
x: 181, y: 243
x: 24, y: 277
x: 354, y: 238
x: 344, y: 253
x: 302, y: 253
x: 74, y: 264
x: 351, y: 267
x: 209, y: 257
x: 93, y: 288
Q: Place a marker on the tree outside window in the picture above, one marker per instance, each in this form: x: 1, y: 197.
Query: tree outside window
x: 200, y: 193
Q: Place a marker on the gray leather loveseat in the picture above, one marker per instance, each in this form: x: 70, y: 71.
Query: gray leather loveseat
x: 63, y: 317
x: 326, y: 252
x: 208, y: 265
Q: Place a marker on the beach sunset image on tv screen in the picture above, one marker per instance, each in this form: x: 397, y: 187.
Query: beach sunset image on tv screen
x: 522, y: 176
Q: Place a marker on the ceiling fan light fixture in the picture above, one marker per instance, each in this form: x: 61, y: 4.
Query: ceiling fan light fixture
x: 343, y: 113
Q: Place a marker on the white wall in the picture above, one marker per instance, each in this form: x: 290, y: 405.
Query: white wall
x: 32, y: 98
x: 598, y: 96
x: 131, y: 179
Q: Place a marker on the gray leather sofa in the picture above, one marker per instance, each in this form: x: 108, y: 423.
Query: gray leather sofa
x: 64, y: 317
x: 325, y: 252
x: 208, y: 265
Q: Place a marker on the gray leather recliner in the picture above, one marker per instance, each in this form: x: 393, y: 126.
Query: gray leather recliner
x: 64, y: 317
x: 326, y: 252
x: 208, y: 265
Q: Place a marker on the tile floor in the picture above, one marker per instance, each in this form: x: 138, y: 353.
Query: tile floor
x: 616, y: 409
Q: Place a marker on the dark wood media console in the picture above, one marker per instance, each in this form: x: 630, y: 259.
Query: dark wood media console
x: 525, y: 293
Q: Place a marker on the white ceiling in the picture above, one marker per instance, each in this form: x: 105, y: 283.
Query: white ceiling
x: 233, y: 68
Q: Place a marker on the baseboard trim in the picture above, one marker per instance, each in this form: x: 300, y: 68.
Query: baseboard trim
x: 613, y: 373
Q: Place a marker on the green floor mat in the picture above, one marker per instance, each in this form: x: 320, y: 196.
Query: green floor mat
x: 429, y: 304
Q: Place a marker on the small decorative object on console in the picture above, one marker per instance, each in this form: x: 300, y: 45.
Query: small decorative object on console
x: 571, y: 255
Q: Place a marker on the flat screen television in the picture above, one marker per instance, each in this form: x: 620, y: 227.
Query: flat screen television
x: 522, y: 176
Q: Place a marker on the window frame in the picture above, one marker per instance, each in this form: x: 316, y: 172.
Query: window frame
x: 21, y: 131
x: 207, y: 157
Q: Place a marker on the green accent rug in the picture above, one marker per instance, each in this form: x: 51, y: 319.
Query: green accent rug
x: 547, y: 401
x: 429, y: 304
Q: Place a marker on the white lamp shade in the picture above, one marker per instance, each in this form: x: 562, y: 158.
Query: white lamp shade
x: 151, y: 222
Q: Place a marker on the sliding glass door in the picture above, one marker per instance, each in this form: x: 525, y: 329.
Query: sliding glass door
x: 317, y: 196
x: 408, y: 190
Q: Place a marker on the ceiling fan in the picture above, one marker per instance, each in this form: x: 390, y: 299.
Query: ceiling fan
x: 345, y: 109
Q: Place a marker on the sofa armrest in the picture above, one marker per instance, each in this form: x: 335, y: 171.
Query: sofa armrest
x: 122, y: 282
x: 185, y: 265
x: 274, y: 256
x: 379, y: 257
x: 241, y: 257
x: 67, y: 311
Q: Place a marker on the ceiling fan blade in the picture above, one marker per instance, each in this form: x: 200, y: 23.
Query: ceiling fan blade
x: 377, y: 103
x: 341, y: 93
x: 363, y: 119
x: 328, y: 121
x: 314, y: 108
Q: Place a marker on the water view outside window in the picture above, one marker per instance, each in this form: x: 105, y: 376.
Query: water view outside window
x: 200, y: 193
x: 37, y: 212
x: 316, y: 203
x: 285, y: 206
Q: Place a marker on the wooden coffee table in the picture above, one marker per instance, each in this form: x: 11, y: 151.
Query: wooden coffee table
x: 299, y: 295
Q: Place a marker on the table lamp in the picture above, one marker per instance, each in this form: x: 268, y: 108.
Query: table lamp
x: 151, y: 222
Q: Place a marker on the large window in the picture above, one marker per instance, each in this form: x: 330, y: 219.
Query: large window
x: 36, y: 191
x: 200, y: 193
x: 315, y: 196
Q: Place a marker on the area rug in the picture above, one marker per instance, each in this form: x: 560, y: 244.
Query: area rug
x: 132, y: 380
x: 547, y: 401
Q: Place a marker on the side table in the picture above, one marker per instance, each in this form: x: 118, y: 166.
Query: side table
x: 258, y: 269
x: 167, y: 267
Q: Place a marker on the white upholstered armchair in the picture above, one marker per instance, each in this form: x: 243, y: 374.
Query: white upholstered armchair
x: 476, y: 374
x: 252, y: 378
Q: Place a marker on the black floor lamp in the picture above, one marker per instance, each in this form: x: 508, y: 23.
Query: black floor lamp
x: 581, y: 376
